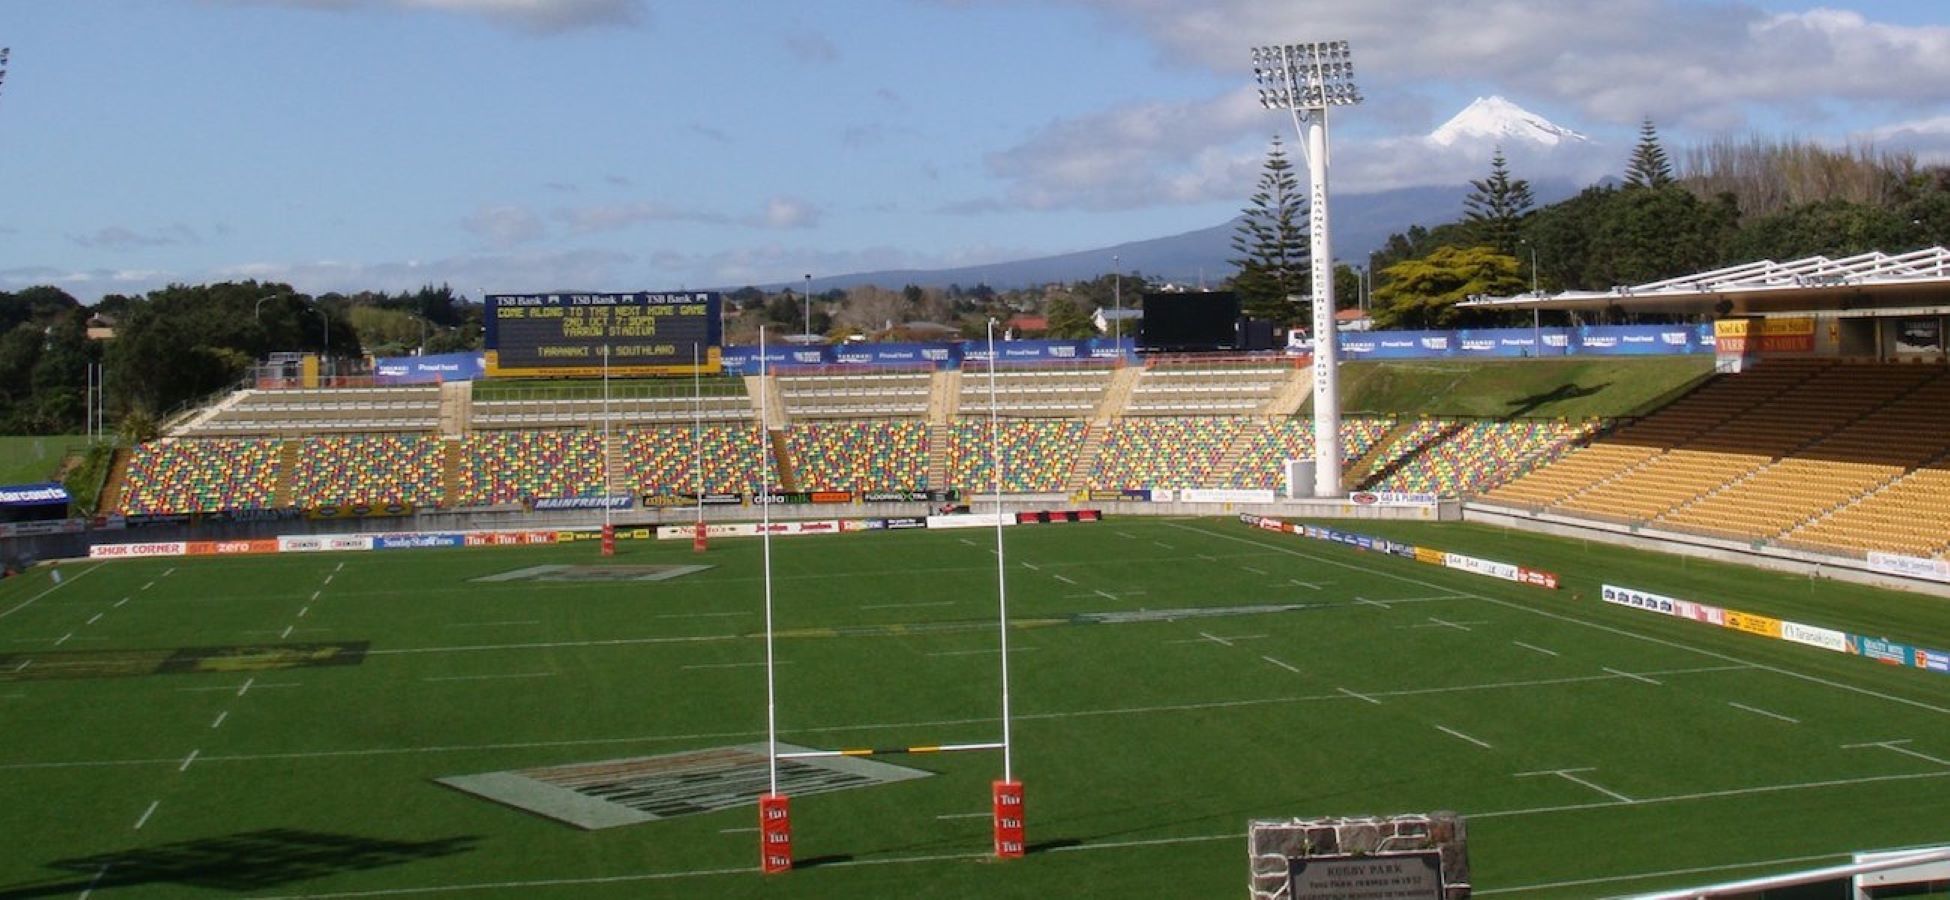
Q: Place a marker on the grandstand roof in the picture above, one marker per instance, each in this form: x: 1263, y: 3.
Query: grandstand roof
x: 1868, y: 284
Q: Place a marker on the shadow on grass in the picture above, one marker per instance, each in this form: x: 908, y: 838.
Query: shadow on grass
x: 252, y: 860
x: 830, y: 859
x: 1524, y: 405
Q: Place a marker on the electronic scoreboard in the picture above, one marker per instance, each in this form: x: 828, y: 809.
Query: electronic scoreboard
x: 565, y: 335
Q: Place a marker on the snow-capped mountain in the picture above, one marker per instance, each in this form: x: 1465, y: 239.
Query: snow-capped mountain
x: 1498, y: 120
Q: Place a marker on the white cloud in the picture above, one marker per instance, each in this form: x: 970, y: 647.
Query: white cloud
x: 1928, y: 138
x: 787, y: 212
x: 120, y: 239
x: 505, y: 226
x: 810, y: 46
x: 1117, y: 159
x: 537, y: 16
x: 619, y: 216
x: 1617, y: 61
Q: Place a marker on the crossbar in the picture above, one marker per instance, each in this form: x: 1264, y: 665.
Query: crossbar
x: 893, y: 751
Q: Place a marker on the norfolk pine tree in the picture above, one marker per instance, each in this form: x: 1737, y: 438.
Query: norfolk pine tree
x: 1272, y: 244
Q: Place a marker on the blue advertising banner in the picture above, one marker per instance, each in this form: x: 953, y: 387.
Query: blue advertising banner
x: 417, y: 541
x: 1513, y: 343
x: 20, y: 496
x: 941, y: 356
x: 428, y: 369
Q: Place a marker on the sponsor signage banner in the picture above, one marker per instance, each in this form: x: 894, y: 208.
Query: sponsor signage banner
x: 1224, y: 495
x: 1536, y: 577
x: 509, y: 538
x: 1825, y: 638
x: 28, y: 496
x: 1794, y: 334
x: 613, y: 501
x: 1885, y: 651
x: 428, y: 369
x: 1753, y: 624
x: 1491, y: 568
x: 417, y: 541
x: 1910, y: 566
x: 128, y: 551
x: 830, y: 497
x: 1933, y: 660
x: 226, y: 548
x: 46, y: 526
x: 1100, y: 495
x: 361, y: 511
x: 1391, y: 498
x: 1699, y: 612
x: 1638, y: 599
x: 1599, y: 340
x: 969, y: 520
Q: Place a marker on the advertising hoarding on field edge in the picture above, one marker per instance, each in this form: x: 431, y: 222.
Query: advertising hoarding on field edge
x: 566, y: 334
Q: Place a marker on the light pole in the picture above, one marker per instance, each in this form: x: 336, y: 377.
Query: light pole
x: 257, y: 312
x: 1536, y: 317
x: 809, y: 306
x: 326, y: 330
x: 1306, y: 79
x: 1117, y: 303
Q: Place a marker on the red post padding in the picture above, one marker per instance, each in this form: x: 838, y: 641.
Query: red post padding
x: 609, y: 540
x: 698, y: 540
x: 1008, y: 819
x: 775, y: 833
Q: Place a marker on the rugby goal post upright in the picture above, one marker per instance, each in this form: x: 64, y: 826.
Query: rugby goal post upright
x: 1006, y: 793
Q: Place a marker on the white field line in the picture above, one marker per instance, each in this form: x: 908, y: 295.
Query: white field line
x: 302, y: 610
x: 1032, y: 567
x: 739, y: 665
x: 1295, y: 582
x: 510, y: 622
x: 225, y: 687
x: 339, y: 568
x: 973, y: 815
x: 1164, y: 545
x: 188, y: 759
x: 1535, y: 648
x: 1574, y: 620
x: 1758, y: 711
x: 144, y: 818
x: 168, y: 572
x: 1359, y: 696
x: 247, y: 685
x: 548, y: 645
x: 1460, y: 736
x: 148, y: 586
x: 989, y: 652
x: 1632, y: 676
x: 709, y: 615
x: 745, y: 830
x: 286, y: 634
x: 63, y: 639
x: 118, y: 603
x: 1252, y: 570
x: 916, y: 605
x: 328, y: 579
x: 1281, y: 665
x: 1571, y: 776
x: 1063, y: 578
x: 90, y: 889
x: 225, y: 714
x: 1108, y: 596
x: 93, y: 619
x: 847, y: 727
x: 1204, y: 639
x: 489, y: 677
x: 315, y: 595
x: 1899, y: 748
x: 1204, y: 635
x: 1459, y: 626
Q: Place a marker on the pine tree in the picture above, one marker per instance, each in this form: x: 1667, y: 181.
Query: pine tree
x: 1649, y: 167
x: 1496, y: 206
x: 1272, y: 244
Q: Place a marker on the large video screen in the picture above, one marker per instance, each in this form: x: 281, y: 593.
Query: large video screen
x: 1190, y: 322
x: 564, y: 335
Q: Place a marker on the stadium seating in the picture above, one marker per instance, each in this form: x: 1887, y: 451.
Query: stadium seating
x: 1453, y: 457
x: 675, y: 402
x: 670, y: 460
x: 1068, y: 391
x: 337, y: 471
x: 1036, y: 455
x: 1162, y: 452
x: 1196, y: 388
x: 862, y: 395
x: 520, y: 466
x: 1261, y: 463
x: 859, y: 456
x: 322, y: 410
x: 188, y: 476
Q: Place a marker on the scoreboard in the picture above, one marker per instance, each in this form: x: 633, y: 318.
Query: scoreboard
x: 566, y: 334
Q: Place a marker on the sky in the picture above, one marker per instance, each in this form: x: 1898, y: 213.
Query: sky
x: 622, y: 145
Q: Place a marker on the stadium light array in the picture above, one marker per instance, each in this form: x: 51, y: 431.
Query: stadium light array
x: 1304, y: 80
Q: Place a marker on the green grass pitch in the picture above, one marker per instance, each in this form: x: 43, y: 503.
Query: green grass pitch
x: 1595, y: 750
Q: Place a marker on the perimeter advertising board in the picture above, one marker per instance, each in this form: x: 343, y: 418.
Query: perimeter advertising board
x: 565, y: 335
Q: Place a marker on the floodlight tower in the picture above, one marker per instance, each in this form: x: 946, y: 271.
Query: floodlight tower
x: 1306, y: 79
